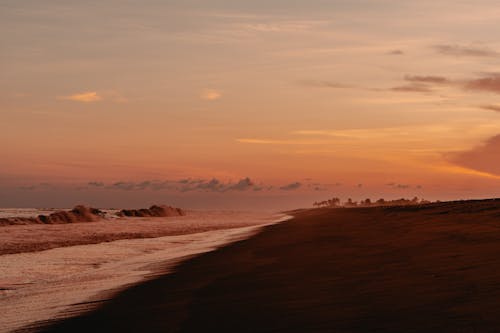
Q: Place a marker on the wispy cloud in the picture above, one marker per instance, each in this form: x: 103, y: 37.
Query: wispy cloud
x: 421, y: 83
x: 396, y: 52
x: 324, y: 84
x: 427, y: 79
x: 211, y: 95
x: 281, y: 142
x: 291, y: 186
x: 495, y: 108
x: 422, y: 88
x: 489, y: 82
x: 40, y: 186
x: 85, y: 97
x: 400, y: 186
x: 465, y: 51
x: 285, y: 26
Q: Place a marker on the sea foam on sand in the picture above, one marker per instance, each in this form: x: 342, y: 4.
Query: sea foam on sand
x: 64, y: 281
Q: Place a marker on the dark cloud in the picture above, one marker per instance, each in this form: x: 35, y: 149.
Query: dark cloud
x: 495, y: 108
x: 189, y: 185
x: 129, y: 186
x: 484, y: 158
x: 465, y: 51
x: 489, y: 83
x: 395, y: 52
x: 291, y: 187
x: 213, y: 185
x: 242, y: 185
x: 185, y: 185
x: 427, y: 79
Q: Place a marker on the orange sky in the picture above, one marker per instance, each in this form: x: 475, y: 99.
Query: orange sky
x: 128, y: 103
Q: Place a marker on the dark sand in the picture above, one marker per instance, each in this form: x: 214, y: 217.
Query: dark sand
x: 434, y: 268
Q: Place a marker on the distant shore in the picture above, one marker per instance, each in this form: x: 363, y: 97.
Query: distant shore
x: 431, y: 268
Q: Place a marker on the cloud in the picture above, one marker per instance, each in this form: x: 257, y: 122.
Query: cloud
x: 131, y: 186
x: 489, y: 83
x: 483, y: 158
x: 395, y: 52
x: 413, y: 88
x: 291, y: 187
x: 85, y: 97
x: 242, y: 185
x: 210, y: 95
x: 213, y: 185
x: 324, y: 84
x: 183, y: 185
x: 465, y: 51
x: 427, y: 79
x: 495, y: 108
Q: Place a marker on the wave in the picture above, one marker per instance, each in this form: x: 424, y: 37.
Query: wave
x: 78, y: 214
x: 153, y: 211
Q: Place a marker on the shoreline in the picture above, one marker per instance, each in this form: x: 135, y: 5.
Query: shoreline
x: 68, y: 281
x: 19, y: 238
x: 424, y: 269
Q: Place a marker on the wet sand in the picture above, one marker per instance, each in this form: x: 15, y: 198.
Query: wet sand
x: 70, y: 279
x: 434, y: 268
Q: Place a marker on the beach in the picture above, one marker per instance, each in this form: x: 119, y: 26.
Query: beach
x: 68, y: 269
x: 426, y: 268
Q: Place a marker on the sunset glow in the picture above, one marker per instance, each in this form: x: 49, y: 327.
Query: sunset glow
x: 225, y: 103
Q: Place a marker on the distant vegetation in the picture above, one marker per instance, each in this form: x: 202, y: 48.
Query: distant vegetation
x: 336, y: 203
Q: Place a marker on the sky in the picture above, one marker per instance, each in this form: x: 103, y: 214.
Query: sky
x: 247, y: 104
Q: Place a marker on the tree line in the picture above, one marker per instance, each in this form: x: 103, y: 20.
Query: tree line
x: 336, y: 202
